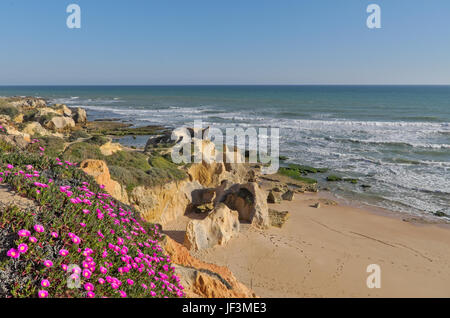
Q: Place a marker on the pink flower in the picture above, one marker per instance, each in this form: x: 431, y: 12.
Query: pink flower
x: 24, y: 233
x: 45, y: 283
x: 64, y: 267
x: 13, y: 253
x: 130, y: 281
x: 43, y: 294
x: 82, y: 224
x: 101, y: 281
x: 90, y: 294
x: 88, y: 287
x: 10, y: 166
x: 23, y: 248
x: 63, y: 252
x: 76, y: 240
x: 54, y: 234
x: 32, y: 239
x: 48, y: 263
x: 39, y: 228
x: 87, y: 273
x: 122, y: 294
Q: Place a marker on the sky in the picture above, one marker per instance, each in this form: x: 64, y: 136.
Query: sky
x: 165, y: 42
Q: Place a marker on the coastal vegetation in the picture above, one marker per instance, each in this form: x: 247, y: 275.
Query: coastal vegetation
x: 73, y: 221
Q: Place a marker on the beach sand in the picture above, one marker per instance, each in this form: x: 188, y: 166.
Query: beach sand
x: 324, y: 252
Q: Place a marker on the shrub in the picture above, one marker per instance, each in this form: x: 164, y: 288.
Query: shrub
x: 81, y: 151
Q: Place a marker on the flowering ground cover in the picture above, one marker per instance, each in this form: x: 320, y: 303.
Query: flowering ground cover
x: 78, y: 241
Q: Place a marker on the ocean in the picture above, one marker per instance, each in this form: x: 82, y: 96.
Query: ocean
x: 394, y: 138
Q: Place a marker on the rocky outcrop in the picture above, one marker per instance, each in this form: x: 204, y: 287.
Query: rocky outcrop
x: 79, y: 115
x: 99, y: 170
x: 44, y: 113
x: 249, y: 200
x: 27, y: 102
x: 60, y: 123
x: 34, y: 128
x: 164, y: 203
x: 202, y: 279
x: 110, y: 148
x: 288, y: 195
x: 216, y: 229
x: 274, y: 197
x: 62, y: 110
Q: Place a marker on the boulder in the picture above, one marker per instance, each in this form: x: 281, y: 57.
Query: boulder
x: 110, y: 148
x: 18, y: 119
x: 79, y: 115
x: 100, y: 171
x: 165, y: 202
x: 45, y: 112
x: 288, y: 195
x: 249, y: 200
x: 216, y: 229
x: 34, y: 128
x: 22, y: 137
x: 62, y: 110
x: 274, y: 197
x: 60, y: 123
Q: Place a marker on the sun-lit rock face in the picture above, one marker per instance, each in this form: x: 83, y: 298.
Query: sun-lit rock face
x: 99, y: 170
x: 201, y: 279
x: 217, y: 228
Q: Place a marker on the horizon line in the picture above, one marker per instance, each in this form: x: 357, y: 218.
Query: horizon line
x: 148, y: 85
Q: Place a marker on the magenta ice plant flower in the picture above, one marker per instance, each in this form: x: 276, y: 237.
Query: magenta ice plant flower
x: 23, y: 248
x: 43, y: 294
x: 48, y: 263
x: 13, y: 253
x: 45, y: 283
x: 39, y: 228
x: 63, y: 252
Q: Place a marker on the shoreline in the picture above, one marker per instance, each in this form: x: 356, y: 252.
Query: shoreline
x: 326, y: 252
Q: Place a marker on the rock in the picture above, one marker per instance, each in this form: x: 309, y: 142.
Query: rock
x: 316, y: 205
x: 100, y: 171
x: 203, y: 196
x: 164, y: 203
x: 60, y: 123
x: 15, y: 141
x: 202, y: 279
x: 274, y: 197
x: 44, y: 113
x: 249, y: 200
x: 280, y: 187
x: 110, y: 148
x: 288, y: 195
x: 20, y: 137
x: 18, y: 119
x: 278, y: 218
x: 62, y: 110
x: 204, y: 208
x: 4, y: 119
x: 27, y: 102
x: 216, y: 229
x: 79, y: 115
x: 208, y: 175
x: 34, y: 128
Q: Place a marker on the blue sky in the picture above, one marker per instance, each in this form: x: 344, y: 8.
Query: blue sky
x: 224, y: 42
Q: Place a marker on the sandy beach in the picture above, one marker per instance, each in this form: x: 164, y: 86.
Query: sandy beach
x: 324, y: 252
